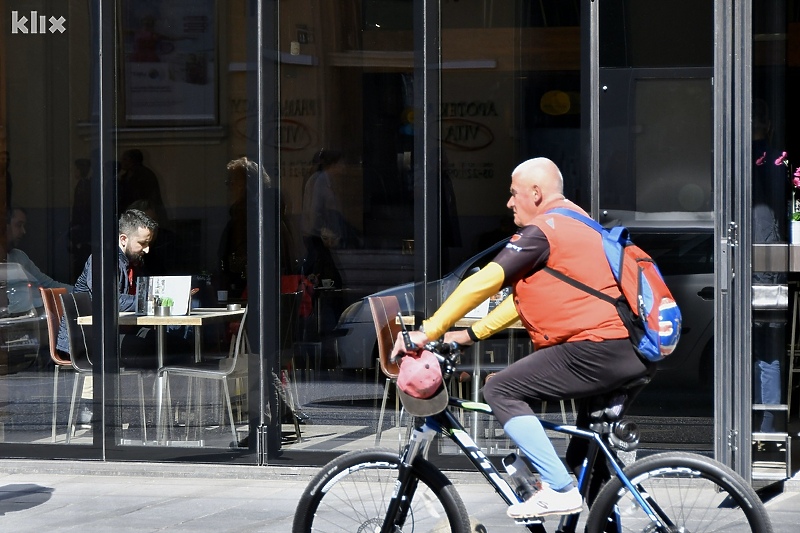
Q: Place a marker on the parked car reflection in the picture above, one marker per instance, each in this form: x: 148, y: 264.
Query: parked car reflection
x: 357, y: 344
x: 682, y: 246
x: 21, y: 322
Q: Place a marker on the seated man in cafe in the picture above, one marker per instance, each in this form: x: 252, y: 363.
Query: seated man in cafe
x: 137, y: 345
x: 16, y: 229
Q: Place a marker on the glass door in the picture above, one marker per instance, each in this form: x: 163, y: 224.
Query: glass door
x: 655, y: 176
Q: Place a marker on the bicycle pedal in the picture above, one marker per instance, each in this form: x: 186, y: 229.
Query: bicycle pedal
x: 532, y: 521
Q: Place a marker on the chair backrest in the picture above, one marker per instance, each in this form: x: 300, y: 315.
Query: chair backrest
x: 54, y: 310
x: 80, y: 338
x: 238, y: 344
x: 384, y: 314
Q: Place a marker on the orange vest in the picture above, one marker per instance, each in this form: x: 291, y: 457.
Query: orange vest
x: 555, y: 312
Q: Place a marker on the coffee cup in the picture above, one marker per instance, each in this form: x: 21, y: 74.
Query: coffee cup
x: 327, y: 283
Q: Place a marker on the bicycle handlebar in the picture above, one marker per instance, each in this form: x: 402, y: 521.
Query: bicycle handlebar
x: 447, y: 353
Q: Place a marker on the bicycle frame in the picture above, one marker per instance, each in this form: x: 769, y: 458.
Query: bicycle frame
x: 448, y: 425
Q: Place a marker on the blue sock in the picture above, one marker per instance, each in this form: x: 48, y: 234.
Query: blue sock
x: 527, y: 432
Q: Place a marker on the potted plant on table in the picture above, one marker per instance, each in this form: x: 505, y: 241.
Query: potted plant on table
x: 163, y: 306
x: 794, y: 218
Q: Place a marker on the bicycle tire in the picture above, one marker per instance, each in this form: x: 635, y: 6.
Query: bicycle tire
x: 697, y: 493
x: 352, y: 493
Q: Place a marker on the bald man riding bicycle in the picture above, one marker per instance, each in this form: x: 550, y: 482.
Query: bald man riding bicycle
x: 581, y: 346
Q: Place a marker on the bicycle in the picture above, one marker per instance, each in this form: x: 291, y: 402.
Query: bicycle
x: 375, y: 490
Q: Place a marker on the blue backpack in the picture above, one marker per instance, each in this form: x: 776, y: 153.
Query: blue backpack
x: 646, y: 306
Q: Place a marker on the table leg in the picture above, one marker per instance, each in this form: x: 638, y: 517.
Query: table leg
x: 197, y: 337
x: 160, y: 340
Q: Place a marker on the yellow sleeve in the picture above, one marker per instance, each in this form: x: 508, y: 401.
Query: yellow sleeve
x: 499, y: 319
x: 469, y: 293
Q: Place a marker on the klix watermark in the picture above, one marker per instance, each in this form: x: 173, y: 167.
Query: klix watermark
x: 37, y: 23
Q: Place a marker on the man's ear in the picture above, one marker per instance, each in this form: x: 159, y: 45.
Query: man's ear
x: 123, y: 240
x: 537, y: 194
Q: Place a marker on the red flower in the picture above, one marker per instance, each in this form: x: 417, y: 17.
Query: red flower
x: 781, y: 160
x: 760, y: 160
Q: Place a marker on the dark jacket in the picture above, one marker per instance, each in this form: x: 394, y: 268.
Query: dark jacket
x: 127, y: 302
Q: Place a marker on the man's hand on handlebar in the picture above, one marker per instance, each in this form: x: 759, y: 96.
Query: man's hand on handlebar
x: 460, y: 337
x: 417, y: 337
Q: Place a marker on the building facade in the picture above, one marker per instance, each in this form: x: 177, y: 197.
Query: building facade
x: 300, y: 156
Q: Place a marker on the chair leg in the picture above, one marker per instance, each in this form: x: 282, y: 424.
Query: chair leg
x: 289, y: 399
x: 226, y: 392
x: 165, y: 420
x: 141, y: 405
x: 77, y: 385
x: 383, y: 409
x: 193, y: 408
x: 55, y: 403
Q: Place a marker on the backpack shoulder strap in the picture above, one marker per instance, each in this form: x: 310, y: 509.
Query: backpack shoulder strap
x: 577, y: 216
x: 567, y: 279
x: 579, y: 285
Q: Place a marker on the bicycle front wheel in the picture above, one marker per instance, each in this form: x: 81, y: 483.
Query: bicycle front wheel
x: 352, y: 493
x: 689, y: 492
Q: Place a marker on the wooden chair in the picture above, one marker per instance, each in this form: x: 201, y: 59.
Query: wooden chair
x: 80, y: 350
x: 384, y: 314
x: 54, y: 310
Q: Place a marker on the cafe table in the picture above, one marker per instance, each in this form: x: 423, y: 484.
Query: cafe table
x: 197, y: 317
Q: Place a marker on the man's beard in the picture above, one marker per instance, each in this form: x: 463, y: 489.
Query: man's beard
x: 135, y: 259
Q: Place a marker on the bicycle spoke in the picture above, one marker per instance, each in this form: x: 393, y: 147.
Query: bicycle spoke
x: 689, y: 494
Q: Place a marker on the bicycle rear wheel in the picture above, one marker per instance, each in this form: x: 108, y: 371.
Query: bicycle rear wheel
x: 690, y: 492
x: 352, y: 493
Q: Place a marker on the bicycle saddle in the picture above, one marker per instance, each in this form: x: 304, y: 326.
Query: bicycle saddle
x: 609, y: 407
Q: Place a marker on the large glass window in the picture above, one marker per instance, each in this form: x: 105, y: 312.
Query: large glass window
x: 174, y: 161
x: 48, y: 159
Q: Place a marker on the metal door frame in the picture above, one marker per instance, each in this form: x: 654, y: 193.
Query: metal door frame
x: 732, y: 178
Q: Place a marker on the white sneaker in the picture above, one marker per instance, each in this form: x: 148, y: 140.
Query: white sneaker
x: 547, y: 502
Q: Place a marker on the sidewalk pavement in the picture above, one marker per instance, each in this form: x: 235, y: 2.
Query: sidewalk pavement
x: 89, y: 496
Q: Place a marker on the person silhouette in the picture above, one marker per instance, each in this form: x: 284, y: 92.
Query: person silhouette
x: 138, y: 182
x: 769, y: 328
x: 16, y: 229
x: 322, y: 221
x: 80, y: 224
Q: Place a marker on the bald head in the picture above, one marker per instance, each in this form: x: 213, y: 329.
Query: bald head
x: 542, y: 172
x: 535, y: 184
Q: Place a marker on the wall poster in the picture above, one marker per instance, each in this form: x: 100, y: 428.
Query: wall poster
x: 169, y: 58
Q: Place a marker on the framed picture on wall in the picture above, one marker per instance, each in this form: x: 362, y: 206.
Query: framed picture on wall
x: 169, y: 57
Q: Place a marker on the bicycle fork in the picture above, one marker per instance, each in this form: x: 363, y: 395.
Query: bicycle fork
x: 406, y: 485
